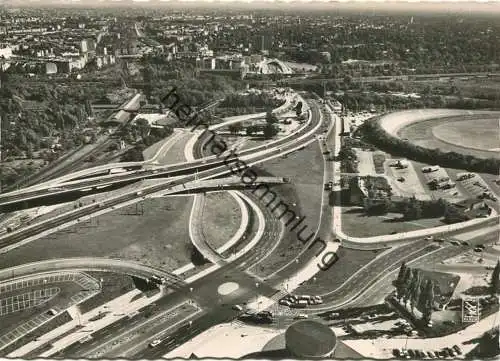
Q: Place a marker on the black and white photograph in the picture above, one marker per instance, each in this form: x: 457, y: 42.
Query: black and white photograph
x: 249, y: 179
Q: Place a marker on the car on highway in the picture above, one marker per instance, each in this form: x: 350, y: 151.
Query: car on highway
x: 155, y: 343
x: 301, y: 316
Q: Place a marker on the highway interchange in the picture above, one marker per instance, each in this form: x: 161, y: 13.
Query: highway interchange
x: 189, y: 308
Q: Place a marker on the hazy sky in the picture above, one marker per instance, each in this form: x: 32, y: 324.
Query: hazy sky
x: 492, y: 6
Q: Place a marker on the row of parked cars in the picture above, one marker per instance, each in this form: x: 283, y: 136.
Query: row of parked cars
x: 412, y: 354
x: 300, y: 301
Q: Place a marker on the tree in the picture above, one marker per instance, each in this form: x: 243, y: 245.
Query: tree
x: 400, y: 279
x: 406, y: 283
x: 495, y: 280
x: 415, y: 289
x: 411, y: 286
x: 143, y: 126
x: 298, y: 109
x: 428, y: 301
x: 270, y: 131
x: 235, y: 128
x: 271, y: 118
x: 250, y: 130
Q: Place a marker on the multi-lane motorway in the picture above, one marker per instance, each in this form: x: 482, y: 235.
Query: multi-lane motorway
x: 197, y: 306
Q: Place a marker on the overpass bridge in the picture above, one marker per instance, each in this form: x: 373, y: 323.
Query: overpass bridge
x: 219, y: 184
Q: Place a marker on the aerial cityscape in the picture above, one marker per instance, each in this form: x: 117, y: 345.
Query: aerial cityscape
x: 268, y: 180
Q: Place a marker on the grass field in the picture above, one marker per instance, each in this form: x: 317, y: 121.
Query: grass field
x: 378, y: 162
x: 176, y: 152
x: 421, y: 133
x: 349, y: 262
x: 356, y: 224
x: 477, y: 134
x: 159, y: 237
x: 113, y: 286
x: 221, y: 218
x: 303, y: 196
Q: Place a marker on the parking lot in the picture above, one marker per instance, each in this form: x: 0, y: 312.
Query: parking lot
x: 441, y: 178
x: 25, y: 328
x: 475, y: 185
x: 27, y: 300
x: 81, y: 279
x: 26, y: 293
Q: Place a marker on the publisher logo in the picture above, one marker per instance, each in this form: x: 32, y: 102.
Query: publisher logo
x: 470, y: 309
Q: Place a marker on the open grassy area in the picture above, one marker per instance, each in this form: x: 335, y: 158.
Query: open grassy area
x: 445, y: 283
x: 113, y: 286
x: 356, y: 224
x: 221, y: 218
x: 348, y: 263
x: 422, y: 133
x: 158, y: 237
x: 302, y: 196
x: 150, y: 151
x: 478, y: 134
x: 378, y: 162
x: 176, y: 152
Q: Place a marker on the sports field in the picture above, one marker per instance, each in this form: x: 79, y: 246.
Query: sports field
x: 456, y: 135
x: 482, y: 134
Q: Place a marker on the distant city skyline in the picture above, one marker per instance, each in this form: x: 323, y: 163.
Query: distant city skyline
x: 444, y: 6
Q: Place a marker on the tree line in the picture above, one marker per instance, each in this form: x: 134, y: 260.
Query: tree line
x: 419, y: 291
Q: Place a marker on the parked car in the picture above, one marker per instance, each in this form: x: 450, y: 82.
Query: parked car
x: 478, y: 249
x: 237, y: 308
x: 457, y: 349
